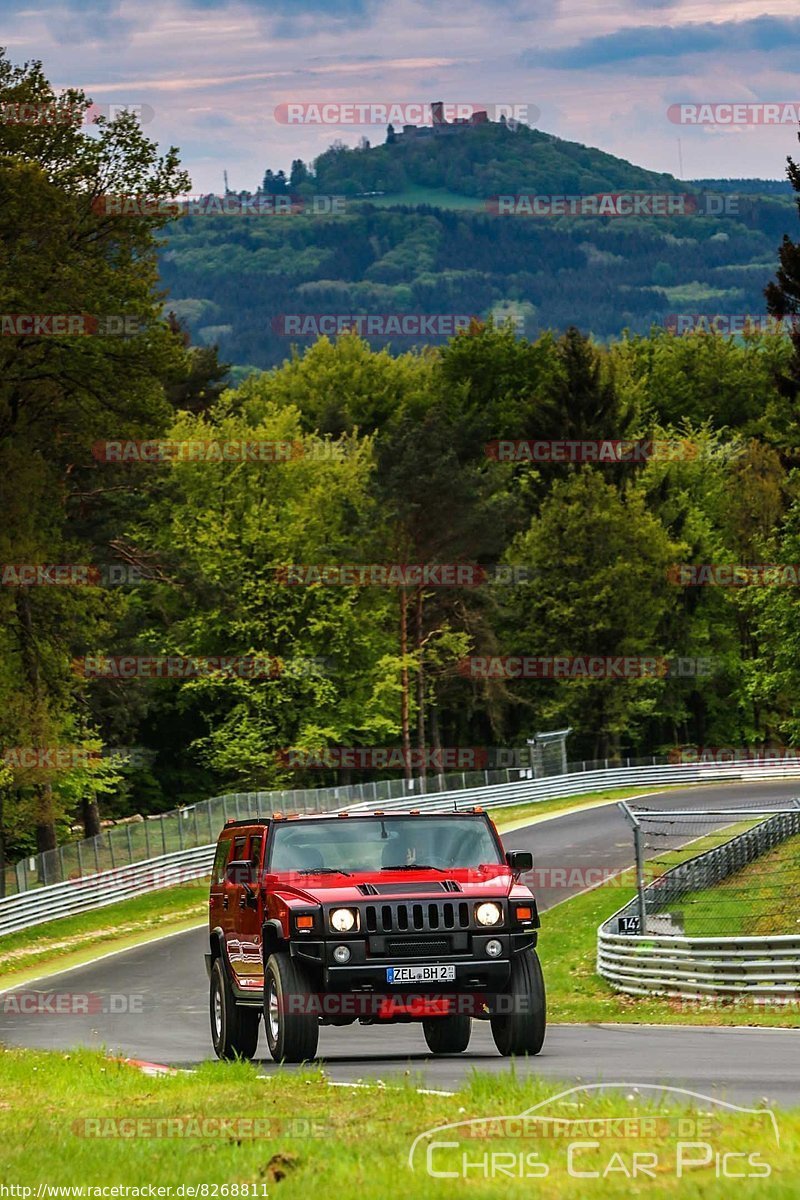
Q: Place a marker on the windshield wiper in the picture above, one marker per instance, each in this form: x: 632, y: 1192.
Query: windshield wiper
x: 322, y: 871
x: 417, y: 867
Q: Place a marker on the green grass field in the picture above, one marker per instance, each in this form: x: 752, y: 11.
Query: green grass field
x: 762, y: 898
x: 82, y: 1119
x: 417, y: 194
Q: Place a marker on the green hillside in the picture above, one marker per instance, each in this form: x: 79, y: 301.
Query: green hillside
x: 482, y: 162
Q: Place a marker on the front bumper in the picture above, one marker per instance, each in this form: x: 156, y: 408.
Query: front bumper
x: 366, y: 970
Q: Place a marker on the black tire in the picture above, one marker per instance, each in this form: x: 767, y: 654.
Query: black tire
x: 522, y: 1030
x: 447, y: 1035
x: 234, y: 1029
x: 291, y: 1036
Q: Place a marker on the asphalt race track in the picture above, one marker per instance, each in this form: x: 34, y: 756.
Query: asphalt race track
x: 152, y: 1002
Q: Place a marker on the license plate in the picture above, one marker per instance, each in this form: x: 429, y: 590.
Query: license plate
x: 422, y: 974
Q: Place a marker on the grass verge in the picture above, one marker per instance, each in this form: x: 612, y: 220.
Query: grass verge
x: 577, y: 994
x: 69, y: 941
x: 81, y: 1119
x: 762, y: 898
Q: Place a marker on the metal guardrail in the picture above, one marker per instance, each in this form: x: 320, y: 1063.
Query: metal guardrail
x: 527, y: 791
x: 40, y: 904
x: 643, y: 963
x: 136, y: 840
x: 696, y: 968
x: 96, y: 891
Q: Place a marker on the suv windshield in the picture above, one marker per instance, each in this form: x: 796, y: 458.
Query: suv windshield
x: 382, y: 843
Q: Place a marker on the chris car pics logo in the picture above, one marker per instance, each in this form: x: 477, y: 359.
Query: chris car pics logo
x: 685, y: 1135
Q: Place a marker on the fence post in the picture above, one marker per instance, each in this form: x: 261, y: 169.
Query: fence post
x: 147, y: 837
x: 163, y: 835
x: 111, y: 850
x: 95, y: 841
x: 637, y: 847
x: 80, y: 860
x: 130, y: 844
x: 180, y: 829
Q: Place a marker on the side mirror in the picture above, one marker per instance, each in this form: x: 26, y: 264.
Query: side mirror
x: 241, y: 870
x: 519, y: 861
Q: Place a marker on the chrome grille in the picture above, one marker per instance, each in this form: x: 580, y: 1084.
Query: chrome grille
x: 420, y: 916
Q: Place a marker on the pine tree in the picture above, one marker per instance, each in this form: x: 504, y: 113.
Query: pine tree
x: 783, y: 296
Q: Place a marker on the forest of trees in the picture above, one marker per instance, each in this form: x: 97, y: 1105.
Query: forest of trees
x: 231, y: 278
x: 389, y: 464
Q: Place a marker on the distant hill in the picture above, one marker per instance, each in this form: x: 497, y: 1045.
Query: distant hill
x: 431, y: 244
x: 745, y: 187
x: 482, y: 162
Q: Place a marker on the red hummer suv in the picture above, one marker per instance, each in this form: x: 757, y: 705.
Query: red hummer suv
x: 374, y: 917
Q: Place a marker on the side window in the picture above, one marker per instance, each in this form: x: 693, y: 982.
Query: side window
x: 220, y: 859
x: 255, y: 851
x: 238, y: 848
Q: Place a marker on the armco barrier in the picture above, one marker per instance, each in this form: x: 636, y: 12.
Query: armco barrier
x: 766, y: 968
x: 41, y: 904
x: 699, y: 967
x: 95, y: 891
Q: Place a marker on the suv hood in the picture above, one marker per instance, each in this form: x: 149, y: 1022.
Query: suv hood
x: 491, y: 880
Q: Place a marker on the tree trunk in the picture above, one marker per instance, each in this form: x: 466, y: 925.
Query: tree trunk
x: 46, y: 843
x: 2, y: 848
x: 423, y: 774
x: 90, y: 815
x: 436, y: 744
x: 404, y: 706
x: 45, y: 817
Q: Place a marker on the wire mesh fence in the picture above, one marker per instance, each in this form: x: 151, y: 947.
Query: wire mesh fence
x: 717, y: 873
x: 138, y: 839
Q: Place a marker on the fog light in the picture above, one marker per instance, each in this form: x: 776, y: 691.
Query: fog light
x: 494, y: 948
x: 342, y: 954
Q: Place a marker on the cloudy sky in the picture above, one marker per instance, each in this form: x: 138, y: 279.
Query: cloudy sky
x: 212, y: 73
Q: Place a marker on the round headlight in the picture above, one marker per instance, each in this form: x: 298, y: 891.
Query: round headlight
x: 494, y: 948
x: 342, y: 954
x: 343, y: 919
x: 488, y: 914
